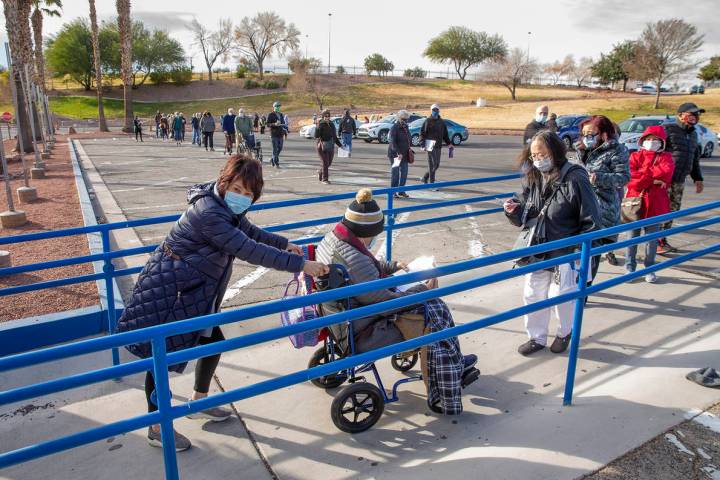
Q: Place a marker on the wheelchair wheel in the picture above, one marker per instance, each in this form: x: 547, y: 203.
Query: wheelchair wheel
x: 321, y: 357
x: 357, y: 408
x: 402, y: 362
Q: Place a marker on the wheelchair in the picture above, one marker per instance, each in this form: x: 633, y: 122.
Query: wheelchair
x: 251, y: 145
x: 358, y: 406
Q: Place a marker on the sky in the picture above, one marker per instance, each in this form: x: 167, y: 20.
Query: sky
x: 400, y: 31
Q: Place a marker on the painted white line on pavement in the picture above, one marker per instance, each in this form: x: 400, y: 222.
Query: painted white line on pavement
x: 151, y: 185
x: 380, y: 251
x: 477, y: 246
x: 153, y: 207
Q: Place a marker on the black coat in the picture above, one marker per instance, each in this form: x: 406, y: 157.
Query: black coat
x: 434, y: 129
x: 574, y: 210
x: 399, y: 141
x: 682, y: 144
x: 187, y: 275
x: 531, y: 129
x: 325, y: 132
x: 347, y: 125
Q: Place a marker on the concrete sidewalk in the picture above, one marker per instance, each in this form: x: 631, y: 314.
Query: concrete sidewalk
x: 638, y: 342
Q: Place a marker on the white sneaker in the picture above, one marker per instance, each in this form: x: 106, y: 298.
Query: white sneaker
x: 651, y: 278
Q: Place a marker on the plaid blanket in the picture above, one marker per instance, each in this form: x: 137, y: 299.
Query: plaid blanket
x: 445, y: 361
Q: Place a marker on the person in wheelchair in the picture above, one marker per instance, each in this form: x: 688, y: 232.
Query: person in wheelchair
x: 445, y: 369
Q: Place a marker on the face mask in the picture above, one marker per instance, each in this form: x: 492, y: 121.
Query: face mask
x: 589, y: 141
x: 541, y: 118
x: 543, y: 164
x: 277, y: 109
x: 652, y: 145
x: 435, y: 114
x: 238, y: 203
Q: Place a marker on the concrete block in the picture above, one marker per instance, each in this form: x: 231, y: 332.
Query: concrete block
x: 27, y: 194
x: 12, y: 219
x: 45, y: 155
x: 36, y: 173
x: 5, y: 261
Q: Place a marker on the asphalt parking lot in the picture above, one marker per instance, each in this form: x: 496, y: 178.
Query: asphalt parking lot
x: 150, y: 179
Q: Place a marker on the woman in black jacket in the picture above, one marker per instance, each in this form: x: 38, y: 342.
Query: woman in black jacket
x: 188, y: 273
x: 399, y: 152
x: 572, y: 209
x: 327, y: 138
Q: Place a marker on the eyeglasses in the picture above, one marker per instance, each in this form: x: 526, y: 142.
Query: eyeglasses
x: 538, y: 156
x: 590, y: 135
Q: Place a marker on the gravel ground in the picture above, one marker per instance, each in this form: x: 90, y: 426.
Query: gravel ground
x: 58, y: 207
x: 689, y: 451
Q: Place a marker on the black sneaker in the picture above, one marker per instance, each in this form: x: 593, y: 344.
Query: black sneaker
x: 559, y: 345
x: 469, y: 362
x: 530, y: 347
x: 664, y: 247
x: 612, y: 259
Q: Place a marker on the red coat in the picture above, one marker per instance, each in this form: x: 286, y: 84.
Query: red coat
x: 645, y: 168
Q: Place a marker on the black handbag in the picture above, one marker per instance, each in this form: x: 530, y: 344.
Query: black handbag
x: 530, y: 229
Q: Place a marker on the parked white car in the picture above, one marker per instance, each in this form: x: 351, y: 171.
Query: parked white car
x: 707, y: 140
x: 308, y: 131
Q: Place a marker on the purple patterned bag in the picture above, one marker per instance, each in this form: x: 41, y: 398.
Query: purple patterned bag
x: 302, y: 314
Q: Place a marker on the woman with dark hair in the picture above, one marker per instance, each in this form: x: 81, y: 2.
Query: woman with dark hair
x: 327, y: 138
x: 607, y: 162
x: 188, y: 273
x: 563, y: 192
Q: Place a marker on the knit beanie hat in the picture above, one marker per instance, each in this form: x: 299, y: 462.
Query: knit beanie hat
x: 363, y: 216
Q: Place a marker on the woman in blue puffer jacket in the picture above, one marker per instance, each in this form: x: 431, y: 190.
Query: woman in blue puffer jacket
x: 188, y: 273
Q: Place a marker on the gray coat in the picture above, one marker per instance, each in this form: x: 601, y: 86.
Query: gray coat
x: 207, y: 124
x: 371, y: 332
x: 610, y: 163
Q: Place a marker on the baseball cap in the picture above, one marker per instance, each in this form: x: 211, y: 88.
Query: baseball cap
x: 690, y: 107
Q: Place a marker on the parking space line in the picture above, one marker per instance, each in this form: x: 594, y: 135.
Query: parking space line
x: 158, y: 184
x: 476, y: 246
x: 380, y: 251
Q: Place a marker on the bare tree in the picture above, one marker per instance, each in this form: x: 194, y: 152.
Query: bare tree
x: 265, y: 35
x: 557, y: 70
x: 580, y: 71
x: 664, y: 50
x: 213, y: 44
x: 305, y: 81
x: 98, y: 69
x: 126, y: 71
x: 514, y: 70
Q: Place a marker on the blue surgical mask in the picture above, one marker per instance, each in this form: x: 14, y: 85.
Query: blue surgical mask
x: 589, y: 141
x: 541, y: 118
x: 238, y: 203
x: 435, y: 113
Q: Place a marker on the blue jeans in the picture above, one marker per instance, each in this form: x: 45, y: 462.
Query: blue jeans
x: 277, y: 145
x: 650, y: 249
x: 157, y: 130
x: 347, y: 141
x: 196, y: 136
x: 398, y: 175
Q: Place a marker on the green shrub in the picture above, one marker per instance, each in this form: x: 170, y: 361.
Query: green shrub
x: 181, y: 75
x: 340, y: 70
x: 160, y: 76
x: 241, y: 71
x: 271, y: 84
x: 250, y: 84
x: 416, y: 72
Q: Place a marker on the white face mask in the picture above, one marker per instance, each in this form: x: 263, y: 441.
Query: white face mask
x: 540, y: 117
x: 652, y: 145
x: 543, y: 164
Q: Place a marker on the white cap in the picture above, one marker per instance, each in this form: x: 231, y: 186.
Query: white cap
x: 434, y: 106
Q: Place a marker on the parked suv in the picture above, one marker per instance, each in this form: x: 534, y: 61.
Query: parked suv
x: 632, y: 128
x: 379, y: 130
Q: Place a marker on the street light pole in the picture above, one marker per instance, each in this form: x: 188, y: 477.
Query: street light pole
x: 307, y: 37
x: 329, y: 25
x: 528, y: 49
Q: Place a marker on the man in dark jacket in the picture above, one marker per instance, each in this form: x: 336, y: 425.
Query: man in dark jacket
x: 682, y: 144
x: 348, y: 129
x: 538, y: 123
x: 399, y: 152
x: 228, y: 127
x: 433, y: 130
x: 275, y: 121
x: 326, y: 140
x: 158, y: 117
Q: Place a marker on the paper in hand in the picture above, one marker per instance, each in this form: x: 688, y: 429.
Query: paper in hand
x: 417, y: 265
x: 342, y: 153
x: 429, y: 144
x: 396, y: 162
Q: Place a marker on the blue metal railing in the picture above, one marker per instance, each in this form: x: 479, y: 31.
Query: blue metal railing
x: 161, y: 359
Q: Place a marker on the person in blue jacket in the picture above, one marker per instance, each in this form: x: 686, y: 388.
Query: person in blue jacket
x: 187, y: 275
x: 228, y: 126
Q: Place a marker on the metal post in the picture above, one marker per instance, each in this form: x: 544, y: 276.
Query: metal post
x: 389, y: 232
x: 162, y: 390
x: 329, y: 24
x: 577, y: 322
x: 16, y: 104
x: 32, y: 117
x: 6, y: 175
x: 41, y: 115
x: 109, y: 270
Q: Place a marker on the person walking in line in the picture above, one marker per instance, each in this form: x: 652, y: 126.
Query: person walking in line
x: 263, y: 123
x: 228, y: 127
x: 275, y: 121
x: 195, y: 123
x: 286, y: 124
x: 563, y: 193
x: 256, y: 122
x: 197, y: 258
x: 244, y: 130
x: 182, y: 127
x: 177, y: 129
x: 326, y: 137
x: 607, y: 163
x: 538, y: 124
x: 399, y: 152
x: 433, y: 130
x: 137, y: 123
x: 164, y: 128
x: 171, y: 124
x: 651, y: 172
x: 158, y: 117
x: 207, y: 125
x: 682, y: 145
x: 348, y: 129
x: 552, y: 123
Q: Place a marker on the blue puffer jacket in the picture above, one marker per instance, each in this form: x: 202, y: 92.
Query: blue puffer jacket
x: 187, y: 275
x: 610, y: 163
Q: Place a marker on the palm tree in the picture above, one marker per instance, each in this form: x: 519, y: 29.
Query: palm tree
x: 17, y: 25
x: 37, y: 26
x: 126, y: 71
x: 98, y: 71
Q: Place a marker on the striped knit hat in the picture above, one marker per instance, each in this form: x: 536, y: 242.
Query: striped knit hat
x: 363, y: 216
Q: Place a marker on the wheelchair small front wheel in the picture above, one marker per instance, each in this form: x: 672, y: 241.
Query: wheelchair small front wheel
x: 333, y: 380
x: 357, y: 407
x: 403, y: 362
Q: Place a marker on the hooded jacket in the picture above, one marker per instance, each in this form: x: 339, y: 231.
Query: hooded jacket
x: 682, y: 144
x: 646, y: 167
x: 187, y: 275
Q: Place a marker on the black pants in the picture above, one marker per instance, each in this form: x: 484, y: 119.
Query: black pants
x: 204, y: 370
x: 138, y: 133
x: 208, y: 138
x: 433, y: 164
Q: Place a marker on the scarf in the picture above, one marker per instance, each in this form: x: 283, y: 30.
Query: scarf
x: 345, y: 235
